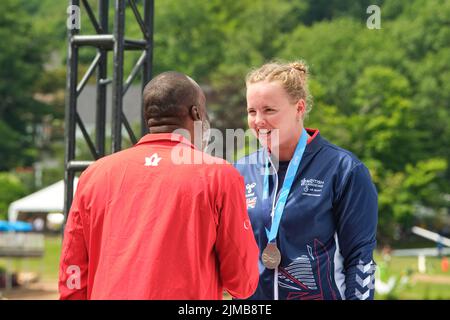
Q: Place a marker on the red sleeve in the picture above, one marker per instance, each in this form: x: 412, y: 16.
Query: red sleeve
x: 73, y: 268
x: 235, y: 245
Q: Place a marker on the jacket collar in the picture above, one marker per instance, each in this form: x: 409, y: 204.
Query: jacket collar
x: 165, y: 138
x: 314, y: 142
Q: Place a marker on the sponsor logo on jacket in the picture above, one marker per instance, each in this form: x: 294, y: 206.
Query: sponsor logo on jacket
x: 311, y: 187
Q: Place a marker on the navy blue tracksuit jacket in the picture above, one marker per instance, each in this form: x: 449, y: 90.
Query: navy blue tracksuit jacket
x: 328, y: 228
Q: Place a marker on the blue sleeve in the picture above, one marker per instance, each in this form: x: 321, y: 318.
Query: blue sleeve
x: 357, y: 215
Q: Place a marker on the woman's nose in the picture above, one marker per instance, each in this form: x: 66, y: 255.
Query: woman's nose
x: 260, y: 120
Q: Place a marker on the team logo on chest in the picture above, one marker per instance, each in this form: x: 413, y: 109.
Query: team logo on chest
x: 152, y: 161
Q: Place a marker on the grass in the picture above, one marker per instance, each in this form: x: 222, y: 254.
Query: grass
x: 400, y: 265
x: 423, y: 291
x: 435, y: 284
x: 46, y: 266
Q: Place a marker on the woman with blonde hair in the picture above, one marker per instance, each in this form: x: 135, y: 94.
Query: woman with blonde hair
x: 312, y: 205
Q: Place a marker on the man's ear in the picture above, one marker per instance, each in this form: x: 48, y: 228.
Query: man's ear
x: 194, y: 113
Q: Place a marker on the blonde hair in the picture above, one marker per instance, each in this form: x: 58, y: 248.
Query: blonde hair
x: 292, y: 75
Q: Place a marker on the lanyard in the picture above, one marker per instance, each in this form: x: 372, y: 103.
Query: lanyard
x: 287, y: 184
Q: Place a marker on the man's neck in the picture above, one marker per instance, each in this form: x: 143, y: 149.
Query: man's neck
x: 163, y: 129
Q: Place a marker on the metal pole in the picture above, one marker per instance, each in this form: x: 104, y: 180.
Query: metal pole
x: 147, y: 71
x: 102, y: 74
x: 117, y: 101
x: 70, y: 116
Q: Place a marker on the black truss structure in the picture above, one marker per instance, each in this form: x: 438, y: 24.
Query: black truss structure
x: 104, y: 41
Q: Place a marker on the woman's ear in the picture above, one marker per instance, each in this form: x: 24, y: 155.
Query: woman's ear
x: 301, y: 108
x: 194, y: 113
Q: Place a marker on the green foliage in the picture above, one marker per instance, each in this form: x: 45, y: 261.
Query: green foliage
x: 382, y: 118
x: 384, y: 95
x: 11, y: 189
x: 400, y: 192
x: 21, y: 57
x: 187, y: 38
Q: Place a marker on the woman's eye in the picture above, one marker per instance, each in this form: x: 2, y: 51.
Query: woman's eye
x: 252, y: 112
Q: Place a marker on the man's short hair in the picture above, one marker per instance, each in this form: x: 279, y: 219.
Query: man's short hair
x: 169, y: 95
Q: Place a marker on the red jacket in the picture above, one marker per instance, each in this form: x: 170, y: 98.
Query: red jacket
x: 142, y: 227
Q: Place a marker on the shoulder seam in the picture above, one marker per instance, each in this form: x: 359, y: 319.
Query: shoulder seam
x: 350, y: 154
x: 348, y: 177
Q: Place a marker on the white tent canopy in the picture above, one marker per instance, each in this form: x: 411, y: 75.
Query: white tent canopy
x: 49, y: 199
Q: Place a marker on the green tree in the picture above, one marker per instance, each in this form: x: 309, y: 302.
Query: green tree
x: 383, y: 94
x: 11, y: 189
x: 382, y: 123
x: 20, y: 66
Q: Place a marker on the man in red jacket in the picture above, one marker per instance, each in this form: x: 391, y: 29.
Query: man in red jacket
x: 144, y: 225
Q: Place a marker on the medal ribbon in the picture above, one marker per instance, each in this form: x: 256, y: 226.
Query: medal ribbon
x: 287, y: 184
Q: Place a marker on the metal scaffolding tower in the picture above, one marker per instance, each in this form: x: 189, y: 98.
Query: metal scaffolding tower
x: 104, y: 41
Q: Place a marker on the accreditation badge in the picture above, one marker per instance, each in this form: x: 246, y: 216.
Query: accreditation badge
x: 271, y: 256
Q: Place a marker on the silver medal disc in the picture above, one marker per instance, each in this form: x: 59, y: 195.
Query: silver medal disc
x: 271, y: 256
